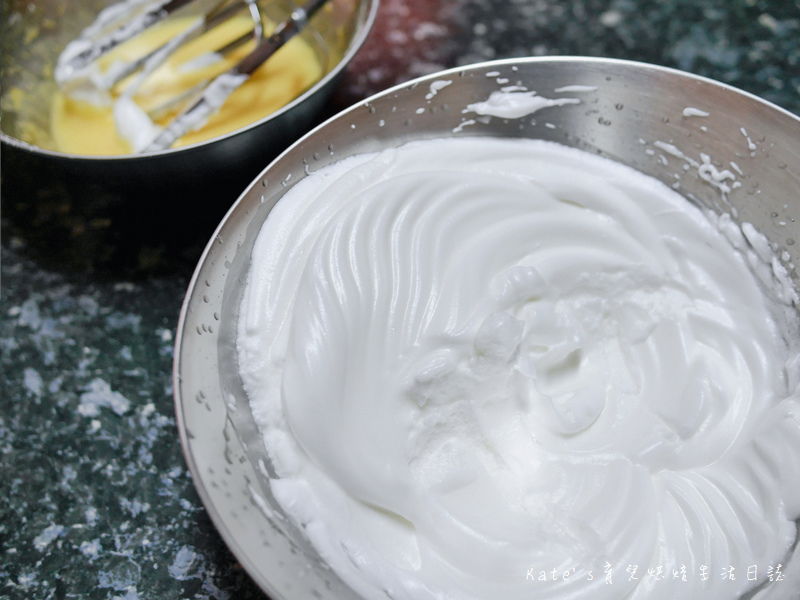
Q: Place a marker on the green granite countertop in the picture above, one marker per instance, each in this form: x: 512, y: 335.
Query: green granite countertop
x: 95, y: 497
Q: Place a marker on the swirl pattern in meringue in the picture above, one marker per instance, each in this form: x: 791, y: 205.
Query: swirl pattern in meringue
x: 477, y: 359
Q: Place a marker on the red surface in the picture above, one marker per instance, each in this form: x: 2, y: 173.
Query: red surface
x: 410, y: 38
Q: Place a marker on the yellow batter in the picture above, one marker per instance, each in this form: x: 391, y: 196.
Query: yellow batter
x: 79, y: 127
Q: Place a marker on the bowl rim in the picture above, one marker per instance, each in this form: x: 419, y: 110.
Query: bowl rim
x: 490, y: 64
x: 358, y: 39
x: 194, y: 286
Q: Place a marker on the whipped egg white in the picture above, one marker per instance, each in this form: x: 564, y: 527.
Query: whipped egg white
x: 475, y: 360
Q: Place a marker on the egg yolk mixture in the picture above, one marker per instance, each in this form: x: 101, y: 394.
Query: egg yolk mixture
x: 81, y: 127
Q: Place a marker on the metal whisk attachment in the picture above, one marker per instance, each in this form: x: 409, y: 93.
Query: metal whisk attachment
x: 79, y: 72
x: 223, y: 86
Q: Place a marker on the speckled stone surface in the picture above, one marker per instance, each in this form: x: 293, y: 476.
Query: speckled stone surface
x: 95, y: 499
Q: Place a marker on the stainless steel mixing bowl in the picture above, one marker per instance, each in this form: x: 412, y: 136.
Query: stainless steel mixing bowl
x: 88, y: 205
x: 640, y: 115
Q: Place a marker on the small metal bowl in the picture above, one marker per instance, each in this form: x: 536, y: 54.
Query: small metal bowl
x: 636, y: 114
x: 94, y: 211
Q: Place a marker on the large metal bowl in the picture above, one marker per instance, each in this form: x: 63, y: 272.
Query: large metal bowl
x: 636, y: 114
x: 90, y: 207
